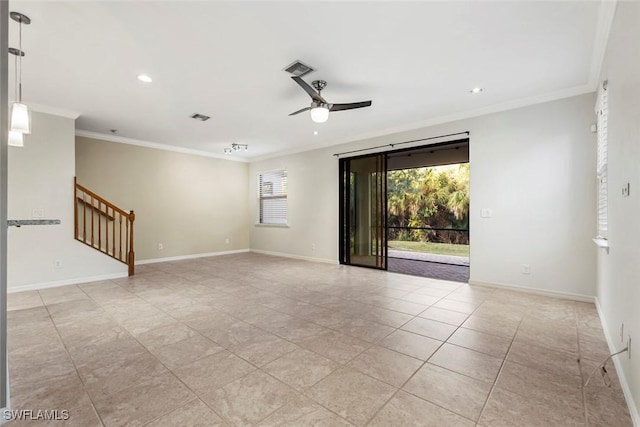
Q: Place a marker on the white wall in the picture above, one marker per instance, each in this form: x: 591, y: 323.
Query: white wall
x: 618, y: 287
x: 41, y: 177
x: 533, y: 166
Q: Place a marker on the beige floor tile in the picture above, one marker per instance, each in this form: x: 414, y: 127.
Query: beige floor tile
x: 184, y: 352
x: 467, y: 362
x: 364, y: 329
x: 386, y: 365
x: 62, y: 294
x: 336, y: 346
x: 23, y: 300
x: 301, y: 368
x: 404, y: 306
x: 230, y: 335
x: 458, y: 393
x: 57, y: 393
x: 250, y: 399
x: 411, y: 344
x: 501, y: 327
x: 606, y: 407
x: 352, y: 395
x: 264, y: 349
x: 445, y: 316
x: 479, y: 341
x: 165, y: 335
x: 406, y: 410
x: 430, y: 328
x: 554, y: 361
x: 462, y: 307
x: 505, y: 409
x: 434, y: 292
x: 112, y: 378
x: 213, y: 372
x: 543, y: 386
x: 143, y: 402
x: 193, y: 414
x: 421, y: 298
x: 298, y: 330
x: 301, y: 412
x: 395, y: 319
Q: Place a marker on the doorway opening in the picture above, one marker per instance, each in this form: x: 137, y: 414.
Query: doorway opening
x: 407, y: 211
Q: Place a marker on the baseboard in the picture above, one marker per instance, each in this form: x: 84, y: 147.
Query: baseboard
x: 537, y: 291
x: 285, y: 255
x: 633, y: 408
x: 57, y: 283
x: 183, y: 257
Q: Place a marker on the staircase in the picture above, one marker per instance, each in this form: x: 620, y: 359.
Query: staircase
x: 103, y: 226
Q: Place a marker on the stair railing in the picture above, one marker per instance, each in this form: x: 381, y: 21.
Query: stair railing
x: 103, y: 226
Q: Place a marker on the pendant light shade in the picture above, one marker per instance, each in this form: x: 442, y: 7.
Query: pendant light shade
x: 320, y: 114
x: 20, y: 118
x: 16, y: 139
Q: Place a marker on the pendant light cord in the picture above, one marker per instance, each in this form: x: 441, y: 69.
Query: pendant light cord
x: 20, y: 54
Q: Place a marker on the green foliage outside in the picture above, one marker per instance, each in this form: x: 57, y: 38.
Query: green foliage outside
x: 435, y: 197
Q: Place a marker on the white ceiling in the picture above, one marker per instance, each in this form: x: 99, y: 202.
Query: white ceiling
x: 417, y: 61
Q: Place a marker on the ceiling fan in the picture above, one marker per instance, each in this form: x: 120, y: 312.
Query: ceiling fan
x: 320, y: 108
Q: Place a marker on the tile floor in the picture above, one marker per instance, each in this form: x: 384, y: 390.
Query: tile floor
x: 256, y: 340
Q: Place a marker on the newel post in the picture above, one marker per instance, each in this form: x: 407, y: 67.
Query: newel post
x: 131, y: 255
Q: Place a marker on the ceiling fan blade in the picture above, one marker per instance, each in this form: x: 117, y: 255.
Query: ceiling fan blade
x: 310, y: 91
x: 300, y: 111
x: 350, y: 106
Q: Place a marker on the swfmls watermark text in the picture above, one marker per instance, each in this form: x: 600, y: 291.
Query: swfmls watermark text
x: 36, y: 414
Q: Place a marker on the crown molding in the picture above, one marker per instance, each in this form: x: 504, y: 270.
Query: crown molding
x: 156, y: 145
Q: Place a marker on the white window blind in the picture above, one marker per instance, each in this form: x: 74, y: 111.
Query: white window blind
x: 273, y: 197
x: 602, y: 112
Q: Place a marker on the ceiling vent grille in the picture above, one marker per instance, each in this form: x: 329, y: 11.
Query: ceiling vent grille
x: 297, y: 68
x: 200, y: 117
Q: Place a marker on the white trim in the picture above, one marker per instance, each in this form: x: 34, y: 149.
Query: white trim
x: 182, y: 257
x: 156, y: 145
x: 302, y: 257
x: 56, y: 283
x: 633, y: 408
x: 258, y: 224
x: 537, y: 291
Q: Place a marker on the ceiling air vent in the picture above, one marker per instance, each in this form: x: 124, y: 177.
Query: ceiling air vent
x: 200, y: 117
x: 297, y: 68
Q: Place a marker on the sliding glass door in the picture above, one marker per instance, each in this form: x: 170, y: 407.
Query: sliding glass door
x: 363, y: 213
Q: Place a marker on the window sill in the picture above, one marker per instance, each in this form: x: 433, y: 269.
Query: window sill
x: 257, y: 224
x: 601, y: 242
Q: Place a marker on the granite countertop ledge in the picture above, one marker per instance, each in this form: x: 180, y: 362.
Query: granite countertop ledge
x: 21, y: 222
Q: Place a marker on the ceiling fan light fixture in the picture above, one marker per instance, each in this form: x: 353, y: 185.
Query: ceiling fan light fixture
x: 320, y: 113
x: 20, y: 118
x: 16, y: 139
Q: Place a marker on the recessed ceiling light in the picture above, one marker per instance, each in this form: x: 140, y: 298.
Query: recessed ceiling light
x: 476, y: 90
x: 145, y: 78
x: 315, y: 132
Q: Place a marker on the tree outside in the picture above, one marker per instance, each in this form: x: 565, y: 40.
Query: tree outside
x: 426, y: 205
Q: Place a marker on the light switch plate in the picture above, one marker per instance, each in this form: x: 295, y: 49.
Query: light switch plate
x: 626, y: 189
x: 486, y: 213
x: 37, y: 213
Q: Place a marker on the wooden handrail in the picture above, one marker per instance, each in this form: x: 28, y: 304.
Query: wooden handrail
x: 99, y: 219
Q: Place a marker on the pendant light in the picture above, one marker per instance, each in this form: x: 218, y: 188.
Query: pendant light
x: 20, y: 115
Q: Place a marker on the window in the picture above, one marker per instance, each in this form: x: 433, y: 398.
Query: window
x: 602, y: 112
x: 273, y: 197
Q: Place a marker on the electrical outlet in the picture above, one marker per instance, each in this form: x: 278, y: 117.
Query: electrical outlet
x: 621, y: 331
x: 160, y: 246
x: 629, y: 347
x: 486, y: 213
x: 57, y: 263
x: 626, y: 189
x: 37, y: 213
x: 226, y: 241
x: 526, y: 269
x: 313, y: 246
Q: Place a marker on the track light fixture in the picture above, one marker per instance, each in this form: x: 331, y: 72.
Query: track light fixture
x: 236, y: 147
